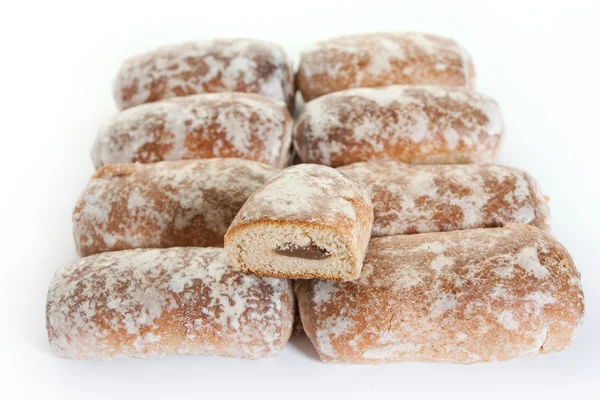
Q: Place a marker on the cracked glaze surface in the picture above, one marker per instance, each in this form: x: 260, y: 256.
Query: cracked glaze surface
x: 463, y: 296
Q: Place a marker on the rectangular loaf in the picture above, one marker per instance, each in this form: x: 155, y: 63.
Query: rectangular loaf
x: 143, y: 303
x: 432, y: 198
x: 417, y: 124
x: 241, y: 125
x: 463, y: 297
x: 382, y: 59
x: 206, y: 66
x: 166, y: 204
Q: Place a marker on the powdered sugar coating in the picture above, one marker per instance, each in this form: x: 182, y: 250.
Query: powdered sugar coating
x: 201, y: 126
x: 431, y: 198
x: 219, y: 65
x: 421, y: 124
x: 499, y: 293
x: 142, y: 303
x: 312, y: 194
x: 167, y: 204
x: 383, y: 59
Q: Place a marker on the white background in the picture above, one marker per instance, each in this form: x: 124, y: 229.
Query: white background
x: 57, y: 62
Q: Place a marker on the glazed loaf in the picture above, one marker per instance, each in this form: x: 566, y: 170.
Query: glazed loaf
x: 432, y: 198
x: 383, y: 59
x: 414, y: 124
x: 463, y: 296
x: 166, y: 204
x: 142, y: 303
x: 308, y: 221
x: 220, y: 65
x: 201, y: 126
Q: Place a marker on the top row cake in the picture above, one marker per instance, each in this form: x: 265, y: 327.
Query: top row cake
x: 253, y: 66
x: 385, y: 96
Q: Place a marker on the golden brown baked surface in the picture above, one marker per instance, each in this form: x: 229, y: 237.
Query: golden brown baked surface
x: 239, y: 125
x: 306, y: 205
x: 382, y: 59
x: 463, y: 296
x: 219, y: 65
x: 167, y: 204
x: 432, y: 198
x: 143, y: 303
x: 422, y: 124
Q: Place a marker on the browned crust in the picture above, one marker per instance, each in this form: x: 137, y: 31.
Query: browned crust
x: 183, y: 203
x: 352, y: 66
x: 199, y: 126
x: 366, y: 125
x: 111, y: 311
x: 491, y: 302
x: 183, y: 69
x: 541, y: 219
x: 441, y: 197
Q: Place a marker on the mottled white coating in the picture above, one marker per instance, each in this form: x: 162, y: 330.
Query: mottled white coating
x: 307, y: 193
x: 421, y: 124
x: 382, y: 51
x: 463, y: 296
x: 199, y: 126
x: 383, y: 59
x: 166, y: 204
x: 204, y: 66
x: 141, y: 303
x: 429, y: 198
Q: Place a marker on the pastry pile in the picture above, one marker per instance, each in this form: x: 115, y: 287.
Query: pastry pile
x: 214, y: 219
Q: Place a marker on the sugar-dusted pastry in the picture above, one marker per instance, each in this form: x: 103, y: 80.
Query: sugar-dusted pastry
x: 206, y: 66
x: 202, y: 126
x: 383, y: 59
x: 166, y: 204
x: 430, y: 198
x: 462, y: 297
x: 308, y: 221
x: 157, y: 302
x: 414, y: 124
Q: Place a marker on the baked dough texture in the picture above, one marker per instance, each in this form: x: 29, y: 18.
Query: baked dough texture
x: 462, y: 297
x: 201, y: 126
x: 166, y: 204
x: 383, y: 59
x: 206, y: 66
x: 421, y: 124
x: 156, y: 302
x: 308, y: 221
x: 432, y: 198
